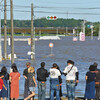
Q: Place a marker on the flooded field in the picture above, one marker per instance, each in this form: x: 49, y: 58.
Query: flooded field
x: 83, y: 53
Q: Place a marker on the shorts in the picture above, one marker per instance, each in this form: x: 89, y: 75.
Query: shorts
x: 32, y: 89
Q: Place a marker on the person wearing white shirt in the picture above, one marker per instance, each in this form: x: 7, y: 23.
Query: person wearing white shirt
x: 71, y: 73
x: 54, y: 82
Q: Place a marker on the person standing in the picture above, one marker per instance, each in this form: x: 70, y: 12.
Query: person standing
x: 42, y: 74
x: 54, y: 82
x: 97, y: 81
x: 90, y: 83
x: 5, y: 80
x: 60, y: 82
x: 1, y: 84
x: 31, y: 82
x: 11, y: 70
x: 71, y: 73
x: 25, y: 73
x: 14, y: 79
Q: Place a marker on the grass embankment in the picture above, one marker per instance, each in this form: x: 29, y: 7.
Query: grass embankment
x: 35, y: 35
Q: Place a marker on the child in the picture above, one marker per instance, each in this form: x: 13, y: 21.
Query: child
x: 31, y: 82
x: 1, y: 83
x: 90, y: 83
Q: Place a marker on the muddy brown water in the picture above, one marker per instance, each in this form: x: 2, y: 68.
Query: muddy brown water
x: 83, y: 53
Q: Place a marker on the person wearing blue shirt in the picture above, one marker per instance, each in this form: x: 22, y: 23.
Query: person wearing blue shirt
x: 90, y: 83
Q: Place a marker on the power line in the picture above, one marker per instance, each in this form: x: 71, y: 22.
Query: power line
x: 67, y: 2
x: 1, y: 1
x: 22, y: 6
x: 57, y: 12
x: 66, y: 7
x: 19, y: 11
x: 53, y: 7
x: 68, y: 13
x: 18, y: 6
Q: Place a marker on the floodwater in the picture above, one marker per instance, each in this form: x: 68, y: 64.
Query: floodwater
x: 83, y: 53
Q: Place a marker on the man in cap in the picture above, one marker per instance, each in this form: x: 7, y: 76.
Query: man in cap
x: 25, y: 73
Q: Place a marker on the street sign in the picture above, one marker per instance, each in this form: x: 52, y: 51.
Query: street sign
x: 82, y: 36
x: 51, y: 45
x: 51, y: 17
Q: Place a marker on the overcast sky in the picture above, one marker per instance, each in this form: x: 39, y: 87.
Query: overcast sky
x: 78, y: 9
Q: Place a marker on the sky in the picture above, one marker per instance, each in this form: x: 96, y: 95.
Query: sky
x: 77, y: 9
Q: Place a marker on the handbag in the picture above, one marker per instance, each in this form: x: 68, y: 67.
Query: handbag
x: 13, y: 78
x: 69, y: 71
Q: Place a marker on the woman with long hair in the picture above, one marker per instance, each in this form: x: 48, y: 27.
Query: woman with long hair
x: 60, y: 82
x: 54, y: 82
x: 14, y: 79
x: 90, y: 83
x: 4, y: 92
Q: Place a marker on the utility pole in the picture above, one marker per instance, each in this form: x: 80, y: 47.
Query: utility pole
x: 74, y: 31
x: 0, y: 36
x: 91, y: 31
x: 67, y: 14
x: 66, y: 31
x: 40, y: 33
x: 77, y: 32
x: 99, y: 33
x: 84, y: 26
x: 5, y: 31
x: 32, y: 36
x: 12, y: 32
x: 57, y: 31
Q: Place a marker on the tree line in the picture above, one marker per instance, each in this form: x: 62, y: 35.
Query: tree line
x: 60, y: 22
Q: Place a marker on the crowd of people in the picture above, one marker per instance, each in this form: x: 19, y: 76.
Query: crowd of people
x: 71, y: 72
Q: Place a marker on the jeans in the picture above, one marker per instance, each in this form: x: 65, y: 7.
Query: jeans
x: 26, y: 88
x: 41, y: 90
x: 97, y: 87
x: 70, y: 89
x: 54, y: 86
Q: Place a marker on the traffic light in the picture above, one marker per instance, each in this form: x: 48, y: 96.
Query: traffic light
x: 88, y: 26
x: 51, y: 17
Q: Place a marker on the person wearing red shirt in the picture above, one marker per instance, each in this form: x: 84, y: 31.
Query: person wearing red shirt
x: 1, y: 83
